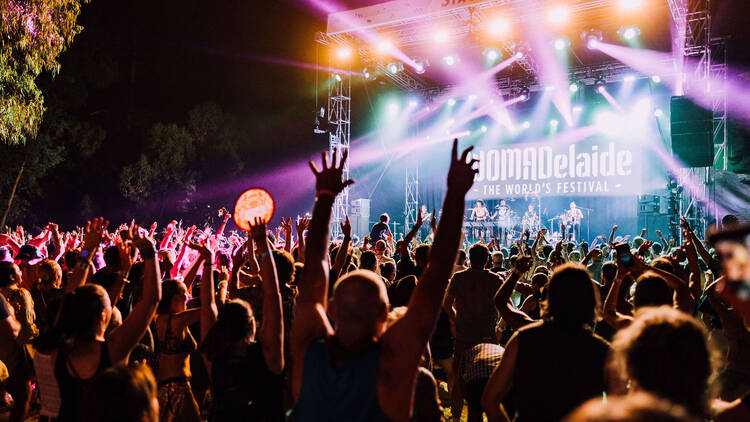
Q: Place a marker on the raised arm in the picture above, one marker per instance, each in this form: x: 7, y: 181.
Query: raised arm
x: 134, y: 327
x: 404, y: 248
x: 514, y: 318
x: 612, y: 236
x: 301, y: 226
x: 346, y: 229
x: 94, y: 235
x: 310, y: 320
x: 405, y: 341
x: 614, y: 318
x: 272, y: 329
x: 287, y: 226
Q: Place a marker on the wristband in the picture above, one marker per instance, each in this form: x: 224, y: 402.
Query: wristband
x: 148, y: 254
x: 326, y: 192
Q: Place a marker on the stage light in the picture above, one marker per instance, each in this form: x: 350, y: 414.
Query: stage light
x: 472, y: 97
x: 573, y: 88
x: 483, y: 129
x: 525, y: 125
x: 524, y: 94
x: 498, y: 26
x: 656, y: 79
x: 549, y: 88
x: 491, y: 54
x: 554, y: 123
x: 385, y: 46
x: 394, y: 67
x: 599, y: 84
x: 577, y: 109
x: 450, y: 60
x: 609, y: 123
x: 337, y: 77
x: 420, y: 66
x: 629, y: 32
x: 413, y: 103
x: 441, y: 36
x: 630, y: 4
x: 658, y: 112
x: 592, y: 38
x: 561, y: 44
x: 519, y: 55
x: 393, y: 108
x: 344, y: 53
x: 629, y: 79
x: 601, y: 89
x: 451, y: 102
x: 558, y: 15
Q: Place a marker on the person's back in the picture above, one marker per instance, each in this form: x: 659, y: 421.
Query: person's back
x: 340, y: 391
x: 476, y: 314
x: 557, y: 369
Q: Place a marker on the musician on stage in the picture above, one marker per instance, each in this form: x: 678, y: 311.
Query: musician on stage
x: 504, y: 221
x: 425, y: 230
x: 480, y: 213
x: 573, y: 217
x: 530, y: 219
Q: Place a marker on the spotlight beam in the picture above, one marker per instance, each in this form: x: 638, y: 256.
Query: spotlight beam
x: 610, y: 99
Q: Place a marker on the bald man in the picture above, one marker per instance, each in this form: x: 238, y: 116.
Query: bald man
x: 361, y: 370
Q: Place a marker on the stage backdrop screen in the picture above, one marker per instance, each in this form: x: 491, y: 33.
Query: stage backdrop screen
x: 594, y: 167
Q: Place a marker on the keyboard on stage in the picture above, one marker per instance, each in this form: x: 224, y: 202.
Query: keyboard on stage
x: 484, y: 224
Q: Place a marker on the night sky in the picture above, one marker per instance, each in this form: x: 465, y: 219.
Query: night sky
x: 155, y: 60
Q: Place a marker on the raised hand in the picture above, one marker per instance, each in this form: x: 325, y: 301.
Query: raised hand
x: 346, y: 227
x: 418, y: 223
x: 302, y: 224
x: 96, y: 230
x: 258, y: 231
x: 144, y: 243
x: 126, y: 260
x: 646, y: 245
x: 461, y: 173
x: 523, y: 264
x: 433, y: 220
x: 329, y: 179
x: 286, y: 225
x: 203, y: 251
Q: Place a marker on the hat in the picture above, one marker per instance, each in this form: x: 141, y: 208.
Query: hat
x: 28, y: 253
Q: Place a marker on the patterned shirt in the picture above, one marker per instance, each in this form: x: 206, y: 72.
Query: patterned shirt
x: 479, y: 361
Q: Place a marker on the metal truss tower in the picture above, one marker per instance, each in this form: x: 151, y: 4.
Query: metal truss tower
x: 411, y: 201
x: 339, y: 131
x: 707, y: 57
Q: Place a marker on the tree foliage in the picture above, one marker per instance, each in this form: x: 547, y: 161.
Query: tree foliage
x: 33, y: 33
x: 176, y: 157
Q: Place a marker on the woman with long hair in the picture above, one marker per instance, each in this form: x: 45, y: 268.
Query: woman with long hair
x: 76, y: 350
x: 558, y: 358
x: 245, y: 369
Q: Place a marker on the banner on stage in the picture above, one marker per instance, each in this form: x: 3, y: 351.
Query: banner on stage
x: 580, y: 169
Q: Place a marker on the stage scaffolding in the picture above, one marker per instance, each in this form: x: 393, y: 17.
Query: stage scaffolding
x: 405, y: 24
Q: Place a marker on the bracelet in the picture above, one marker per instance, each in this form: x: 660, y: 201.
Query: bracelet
x: 326, y: 192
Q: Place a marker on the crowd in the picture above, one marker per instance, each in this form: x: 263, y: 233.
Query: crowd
x: 124, y: 324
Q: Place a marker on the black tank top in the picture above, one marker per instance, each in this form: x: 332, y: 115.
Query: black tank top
x: 244, y: 388
x: 74, y: 391
x: 557, y: 369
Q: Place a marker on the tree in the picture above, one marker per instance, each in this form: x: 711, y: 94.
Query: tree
x: 33, y: 33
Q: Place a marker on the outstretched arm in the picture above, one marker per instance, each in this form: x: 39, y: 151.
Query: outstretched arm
x: 514, y: 318
x: 134, y: 327
x: 614, y: 318
x: 272, y: 329
x: 346, y: 229
x: 404, y: 342
x: 310, y: 318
